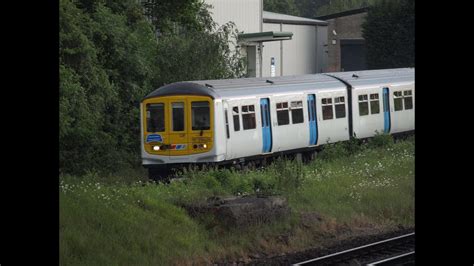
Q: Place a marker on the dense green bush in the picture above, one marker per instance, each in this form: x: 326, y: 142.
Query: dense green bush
x: 381, y: 140
x: 389, y: 32
x: 111, y: 56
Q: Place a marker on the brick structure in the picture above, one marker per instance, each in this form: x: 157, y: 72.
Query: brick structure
x: 346, y: 46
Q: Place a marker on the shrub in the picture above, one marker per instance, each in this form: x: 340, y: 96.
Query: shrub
x: 380, y: 140
x: 332, y: 151
x: 389, y: 31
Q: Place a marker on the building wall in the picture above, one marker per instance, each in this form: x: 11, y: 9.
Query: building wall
x: 271, y: 49
x: 303, y: 54
x: 347, y: 27
x: 246, y: 14
x: 321, y: 49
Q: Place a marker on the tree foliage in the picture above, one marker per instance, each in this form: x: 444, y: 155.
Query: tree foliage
x: 336, y: 6
x: 389, y: 32
x: 314, y: 8
x: 281, y: 6
x: 110, y: 57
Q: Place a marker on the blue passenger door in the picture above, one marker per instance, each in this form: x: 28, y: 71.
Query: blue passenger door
x: 386, y: 111
x: 266, y: 125
x: 313, y: 126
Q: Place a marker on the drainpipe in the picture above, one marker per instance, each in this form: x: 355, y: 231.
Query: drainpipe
x: 281, y: 51
x: 260, y: 56
x: 260, y: 43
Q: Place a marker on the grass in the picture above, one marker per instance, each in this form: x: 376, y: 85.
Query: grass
x: 124, y: 220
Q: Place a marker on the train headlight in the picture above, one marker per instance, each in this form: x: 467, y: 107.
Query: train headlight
x: 156, y: 148
x: 204, y: 146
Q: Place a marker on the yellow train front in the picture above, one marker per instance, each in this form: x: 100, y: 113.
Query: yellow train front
x: 177, y: 125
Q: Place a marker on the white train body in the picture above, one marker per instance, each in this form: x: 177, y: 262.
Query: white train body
x: 261, y: 117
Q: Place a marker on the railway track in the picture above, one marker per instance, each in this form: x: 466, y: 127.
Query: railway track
x: 398, y: 250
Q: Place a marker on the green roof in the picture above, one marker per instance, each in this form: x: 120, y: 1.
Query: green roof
x: 265, y: 36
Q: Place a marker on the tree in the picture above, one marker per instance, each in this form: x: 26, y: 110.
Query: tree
x: 281, y: 6
x: 309, y: 8
x: 111, y: 57
x: 389, y: 32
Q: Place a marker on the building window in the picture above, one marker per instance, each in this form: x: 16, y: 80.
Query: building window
x: 374, y: 103
x: 363, y: 105
x: 155, y: 117
x: 248, y: 117
x: 326, y: 104
x: 283, y: 116
x: 340, y: 106
x: 408, y: 99
x: 398, y: 100
x: 297, y: 112
x: 235, y: 114
x: 178, y: 116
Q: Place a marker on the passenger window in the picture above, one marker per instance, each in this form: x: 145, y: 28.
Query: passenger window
x: 264, y: 116
x: 374, y: 103
x: 226, y: 123
x: 155, y: 117
x: 178, y: 116
x: 326, y: 104
x: 283, y: 116
x: 297, y: 112
x: 398, y: 100
x: 363, y: 105
x: 408, y: 99
x: 340, y: 106
x: 235, y: 114
x: 248, y: 117
x: 200, y: 116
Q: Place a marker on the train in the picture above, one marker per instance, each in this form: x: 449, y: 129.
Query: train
x: 251, y: 120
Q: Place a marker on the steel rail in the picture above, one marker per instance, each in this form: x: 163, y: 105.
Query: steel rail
x: 354, y: 249
x: 391, y: 258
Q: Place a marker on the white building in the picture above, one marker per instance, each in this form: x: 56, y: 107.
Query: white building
x: 274, y: 44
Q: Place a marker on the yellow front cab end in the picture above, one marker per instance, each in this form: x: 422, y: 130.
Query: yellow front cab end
x: 178, y: 125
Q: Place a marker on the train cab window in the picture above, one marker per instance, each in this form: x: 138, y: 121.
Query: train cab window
x: 155, y: 117
x: 248, y: 117
x: 235, y: 114
x: 398, y: 100
x: 200, y: 115
x: 326, y: 104
x: 374, y: 103
x: 297, y: 112
x: 408, y: 99
x: 363, y: 105
x: 178, y: 116
x: 340, y: 106
x: 283, y: 116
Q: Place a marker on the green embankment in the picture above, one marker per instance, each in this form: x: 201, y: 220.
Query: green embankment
x: 351, y: 189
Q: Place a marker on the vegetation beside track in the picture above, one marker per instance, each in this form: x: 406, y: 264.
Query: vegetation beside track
x: 351, y: 189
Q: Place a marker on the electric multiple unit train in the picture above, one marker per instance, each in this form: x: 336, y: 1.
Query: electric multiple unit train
x: 235, y: 121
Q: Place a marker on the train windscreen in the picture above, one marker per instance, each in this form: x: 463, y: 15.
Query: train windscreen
x: 200, y: 115
x: 155, y: 117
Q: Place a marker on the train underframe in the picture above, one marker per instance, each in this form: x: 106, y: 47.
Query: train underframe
x: 164, y: 172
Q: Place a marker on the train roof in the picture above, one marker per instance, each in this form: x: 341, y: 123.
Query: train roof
x: 382, y: 77
x: 252, y: 87
x: 296, y: 84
